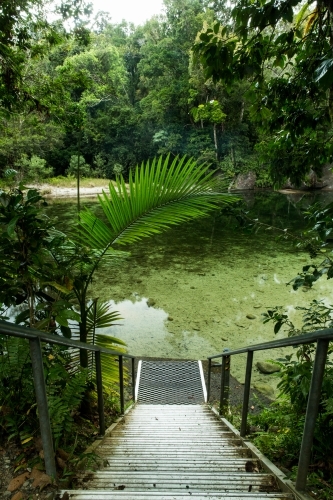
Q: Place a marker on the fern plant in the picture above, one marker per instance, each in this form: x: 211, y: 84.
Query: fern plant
x: 18, y: 409
x: 65, y: 390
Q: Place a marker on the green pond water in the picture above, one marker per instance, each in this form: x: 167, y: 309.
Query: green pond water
x: 203, y: 279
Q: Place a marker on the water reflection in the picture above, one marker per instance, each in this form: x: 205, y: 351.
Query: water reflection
x: 148, y: 330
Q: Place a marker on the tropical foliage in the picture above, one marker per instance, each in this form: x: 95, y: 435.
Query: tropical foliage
x: 117, y: 95
x: 283, y: 51
x: 280, y: 426
x: 159, y: 194
x: 47, y: 275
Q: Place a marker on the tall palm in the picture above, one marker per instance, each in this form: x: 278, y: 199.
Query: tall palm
x: 159, y: 194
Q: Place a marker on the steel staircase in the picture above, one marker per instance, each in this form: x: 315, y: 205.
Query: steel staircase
x: 176, y: 451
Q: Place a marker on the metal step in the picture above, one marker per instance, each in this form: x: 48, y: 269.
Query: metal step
x: 173, y: 466
x: 229, y: 482
x: 175, y: 452
x: 127, y: 495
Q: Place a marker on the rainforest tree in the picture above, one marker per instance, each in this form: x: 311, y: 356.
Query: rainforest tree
x: 284, y: 52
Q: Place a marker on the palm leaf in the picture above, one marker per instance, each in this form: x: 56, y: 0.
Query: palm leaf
x: 100, y: 316
x: 110, y: 366
x: 158, y: 196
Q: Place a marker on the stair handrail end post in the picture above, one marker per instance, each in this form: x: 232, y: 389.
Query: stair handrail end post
x: 100, y: 398
x: 42, y: 406
x: 246, y: 396
x: 311, y: 413
x: 208, y: 379
x: 225, y: 382
x: 121, y: 385
x: 133, y: 379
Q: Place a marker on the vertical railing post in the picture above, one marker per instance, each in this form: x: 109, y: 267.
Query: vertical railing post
x: 222, y: 385
x: 42, y: 406
x: 246, y: 396
x: 225, y: 383
x: 121, y: 385
x: 209, y: 377
x: 133, y: 380
x: 311, y: 413
x: 100, y: 399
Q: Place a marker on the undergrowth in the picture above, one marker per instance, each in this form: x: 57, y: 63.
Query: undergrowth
x: 72, y: 405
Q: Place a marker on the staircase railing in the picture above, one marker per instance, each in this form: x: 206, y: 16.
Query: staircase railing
x: 35, y: 338
x: 322, y: 338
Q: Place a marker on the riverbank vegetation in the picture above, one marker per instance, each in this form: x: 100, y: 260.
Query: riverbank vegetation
x: 104, y: 97
x: 278, y: 428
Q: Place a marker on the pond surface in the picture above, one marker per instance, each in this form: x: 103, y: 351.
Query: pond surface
x: 204, y: 280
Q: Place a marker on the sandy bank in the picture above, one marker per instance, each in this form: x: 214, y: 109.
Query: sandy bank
x: 50, y: 191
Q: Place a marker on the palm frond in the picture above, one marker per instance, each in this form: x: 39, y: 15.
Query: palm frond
x: 100, y: 316
x: 110, y: 366
x: 158, y: 196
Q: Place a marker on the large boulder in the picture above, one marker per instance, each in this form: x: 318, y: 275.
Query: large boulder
x: 245, y: 181
x: 314, y: 181
x: 327, y: 177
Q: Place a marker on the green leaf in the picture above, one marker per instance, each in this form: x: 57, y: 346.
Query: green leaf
x: 57, y: 286
x: 66, y: 314
x: 99, y: 316
x: 324, y: 73
x: 11, y: 226
x: 277, y: 326
x: 23, y: 316
x: 66, y: 331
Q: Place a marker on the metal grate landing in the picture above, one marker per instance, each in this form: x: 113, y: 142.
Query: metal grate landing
x: 170, y: 382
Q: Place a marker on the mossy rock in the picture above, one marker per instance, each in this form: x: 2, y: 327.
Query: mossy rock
x: 265, y: 389
x: 267, y: 368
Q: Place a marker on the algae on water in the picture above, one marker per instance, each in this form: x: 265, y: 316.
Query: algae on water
x: 214, y: 280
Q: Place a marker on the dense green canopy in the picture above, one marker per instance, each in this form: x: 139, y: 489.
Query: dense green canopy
x: 246, y: 88
x: 283, y: 50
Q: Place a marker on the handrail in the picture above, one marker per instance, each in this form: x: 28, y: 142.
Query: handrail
x: 35, y: 338
x: 307, y: 338
x: 322, y: 338
x: 32, y: 333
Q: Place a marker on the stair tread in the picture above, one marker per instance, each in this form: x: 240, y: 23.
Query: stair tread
x: 165, y: 495
x: 172, y: 452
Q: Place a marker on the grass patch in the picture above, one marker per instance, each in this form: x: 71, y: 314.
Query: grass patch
x: 70, y: 182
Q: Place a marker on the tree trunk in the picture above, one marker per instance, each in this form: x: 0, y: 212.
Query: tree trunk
x: 242, y: 112
x: 215, y: 142
x: 233, y: 156
x: 83, y: 338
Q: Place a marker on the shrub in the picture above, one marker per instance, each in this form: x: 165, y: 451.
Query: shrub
x: 85, y: 170
x: 32, y: 169
x: 65, y: 389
